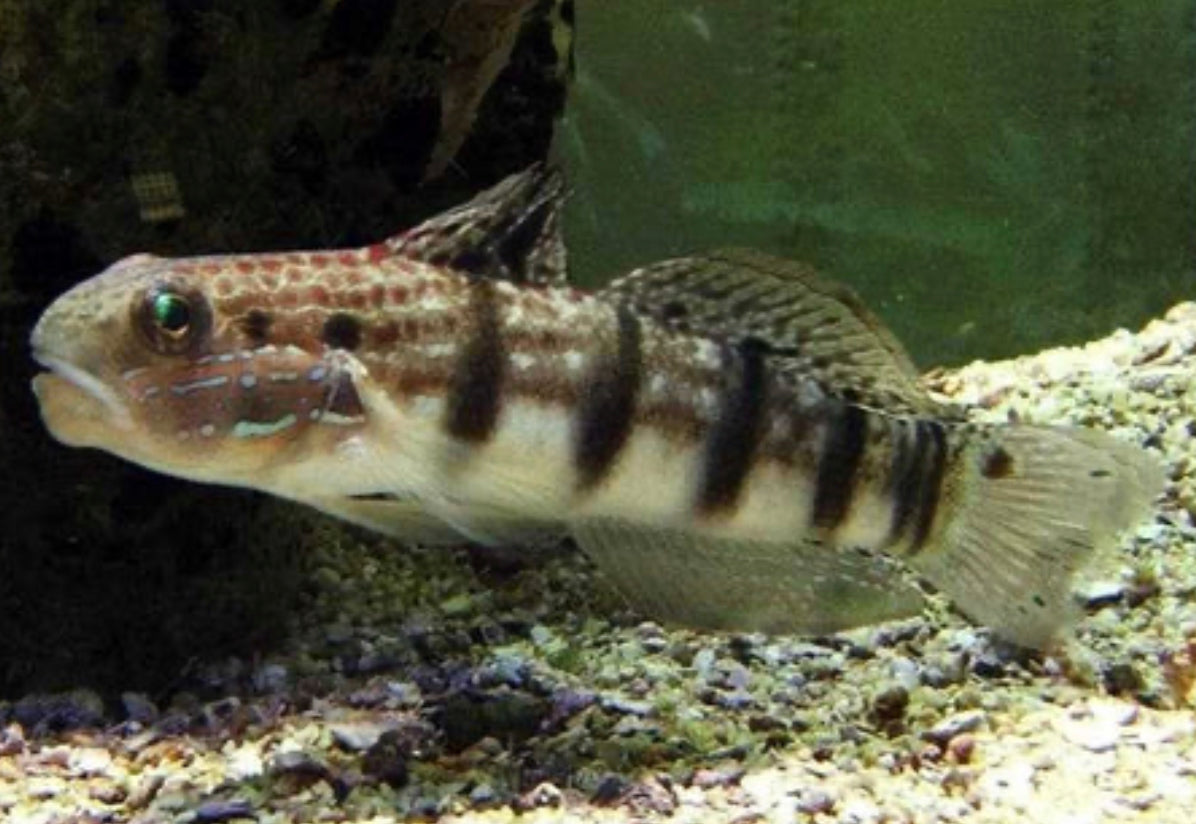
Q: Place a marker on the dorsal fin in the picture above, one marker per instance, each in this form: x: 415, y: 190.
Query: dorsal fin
x: 810, y: 327
x: 511, y: 230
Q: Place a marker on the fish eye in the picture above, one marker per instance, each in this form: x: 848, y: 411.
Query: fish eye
x: 172, y: 314
x: 174, y: 319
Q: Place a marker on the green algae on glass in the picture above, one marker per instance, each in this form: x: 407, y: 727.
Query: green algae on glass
x: 992, y: 177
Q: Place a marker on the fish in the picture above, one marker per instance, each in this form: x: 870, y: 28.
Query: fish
x: 736, y: 442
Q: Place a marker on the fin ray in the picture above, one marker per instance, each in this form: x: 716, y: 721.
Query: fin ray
x: 1030, y: 507
x: 813, y: 329
x: 405, y: 519
x: 720, y: 583
x: 510, y: 231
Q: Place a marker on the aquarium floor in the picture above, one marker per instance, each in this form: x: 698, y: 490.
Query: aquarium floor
x: 527, y: 694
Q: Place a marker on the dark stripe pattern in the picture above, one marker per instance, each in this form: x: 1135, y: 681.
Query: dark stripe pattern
x: 606, y: 409
x: 934, y: 466
x: 731, y: 444
x: 919, y: 458
x: 475, y: 389
x: 847, y: 429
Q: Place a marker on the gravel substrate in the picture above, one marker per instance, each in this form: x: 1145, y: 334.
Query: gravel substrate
x: 422, y: 684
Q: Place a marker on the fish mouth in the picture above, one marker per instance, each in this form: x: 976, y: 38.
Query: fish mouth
x: 75, y: 403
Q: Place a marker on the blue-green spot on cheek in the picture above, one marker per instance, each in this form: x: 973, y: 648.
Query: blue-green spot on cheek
x: 263, y: 429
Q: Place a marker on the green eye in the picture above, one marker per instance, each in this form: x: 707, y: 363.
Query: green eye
x: 174, y: 319
x: 172, y: 313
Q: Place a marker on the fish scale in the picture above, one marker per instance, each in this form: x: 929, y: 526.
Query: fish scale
x: 736, y: 442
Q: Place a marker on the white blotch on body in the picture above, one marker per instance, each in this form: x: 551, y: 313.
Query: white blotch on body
x: 263, y: 429
x: 574, y: 360
x: 205, y: 383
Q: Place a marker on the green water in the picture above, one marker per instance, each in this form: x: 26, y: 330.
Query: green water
x: 993, y: 177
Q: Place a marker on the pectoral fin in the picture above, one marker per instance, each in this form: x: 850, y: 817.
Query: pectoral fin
x: 717, y: 583
x: 405, y: 519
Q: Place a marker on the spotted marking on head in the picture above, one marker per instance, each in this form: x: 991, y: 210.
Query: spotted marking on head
x: 342, y: 331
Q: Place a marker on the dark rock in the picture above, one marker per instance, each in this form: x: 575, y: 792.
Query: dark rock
x: 294, y: 771
x: 484, y: 795
x: 270, y: 679
x: 988, y: 665
x: 565, y: 704
x: 610, y: 789
x: 488, y: 632
x: 298, y: 764
x: 59, y: 712
x: 386, y: 760
x: 214, y: 812
x: 503, y: 714
x: 1122, y: 678
x: 138, y: 707
x: 766, y: 723
x: 890, y: 704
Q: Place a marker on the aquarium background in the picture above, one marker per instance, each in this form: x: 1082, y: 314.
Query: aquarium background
x: 993, y: 177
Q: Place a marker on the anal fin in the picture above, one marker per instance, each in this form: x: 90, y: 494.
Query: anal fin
x: 496, y: 527
x: 729, y: 584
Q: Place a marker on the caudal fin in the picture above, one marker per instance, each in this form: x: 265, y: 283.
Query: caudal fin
x: 1024, y: 509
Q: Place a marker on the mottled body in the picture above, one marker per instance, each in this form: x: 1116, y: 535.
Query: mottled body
x: 448, y: 384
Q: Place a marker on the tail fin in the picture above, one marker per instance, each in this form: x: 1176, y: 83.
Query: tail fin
x: 1024, y: 509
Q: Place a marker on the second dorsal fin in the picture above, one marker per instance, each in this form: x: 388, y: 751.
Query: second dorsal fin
x: 511, y: 230
x: 811, y: 327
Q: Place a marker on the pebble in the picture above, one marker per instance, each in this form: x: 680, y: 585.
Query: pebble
x: 271, y: 678
x: 890, y: 703
x: 386, y: 761
x: 245, y: 763
x: 814, y: 800
x: 214, y: 812
x: 85, y: 761
x: 906, y: 672
x: 139, y: 707
x: 12, y: 740
x: 610, y: 789
x: 948, y: 728
x: 1103, y: 593
x: 544, y: 794
x: 358, y: 736
x: 483, y: 795
x: 298, y: 764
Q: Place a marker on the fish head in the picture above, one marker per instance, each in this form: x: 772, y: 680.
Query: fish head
x: 146, y: 361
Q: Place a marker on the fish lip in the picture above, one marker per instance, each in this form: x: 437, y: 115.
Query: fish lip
x: 88, y: 383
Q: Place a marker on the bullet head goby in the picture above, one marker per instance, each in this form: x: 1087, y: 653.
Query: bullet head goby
x: 736, y: 442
